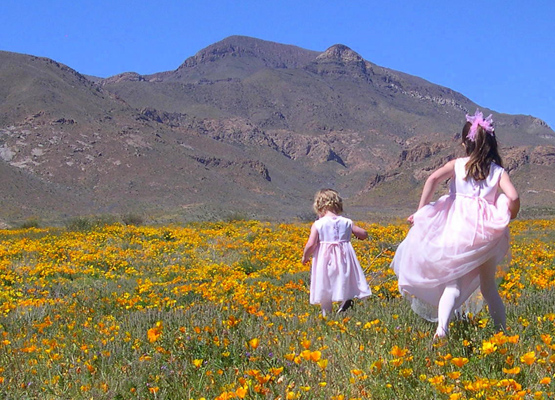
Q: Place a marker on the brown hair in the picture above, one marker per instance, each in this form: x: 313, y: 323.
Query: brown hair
x: 327, y: 200
x: 482, y: 152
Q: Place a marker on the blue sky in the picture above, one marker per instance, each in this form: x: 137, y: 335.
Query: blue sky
x: 500, y: 54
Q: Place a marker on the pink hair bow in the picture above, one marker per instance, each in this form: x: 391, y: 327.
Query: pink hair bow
x: 478, y: 120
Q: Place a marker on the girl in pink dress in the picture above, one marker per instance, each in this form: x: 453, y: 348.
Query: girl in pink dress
x: 455, y: 243
x: 336, y: 273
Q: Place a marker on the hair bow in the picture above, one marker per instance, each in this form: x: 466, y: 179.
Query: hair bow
x: 478, y: 120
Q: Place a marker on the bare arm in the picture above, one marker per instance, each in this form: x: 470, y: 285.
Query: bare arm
x: 507, y: 187
x: 359, y: 232
x: 311, y: 244
x: 438, y: 176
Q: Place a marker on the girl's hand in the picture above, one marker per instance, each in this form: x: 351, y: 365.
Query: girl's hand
x: 411, y: 219
x: 359, y: 233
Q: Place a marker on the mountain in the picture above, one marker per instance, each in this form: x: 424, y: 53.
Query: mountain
x: 244, y: 126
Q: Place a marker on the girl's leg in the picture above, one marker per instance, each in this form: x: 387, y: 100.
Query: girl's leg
x: 488, y: 286
x: 445, y: 308
x: 326, y: 307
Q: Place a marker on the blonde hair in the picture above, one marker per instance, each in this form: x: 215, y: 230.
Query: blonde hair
x: 327, y: 200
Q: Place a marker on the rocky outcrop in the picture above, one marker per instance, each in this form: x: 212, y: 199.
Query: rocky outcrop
x: 234, y: 130
x: 250, y: 165
x: 63, y: 121
x: 377, y: 179
x: 124, y: 77
x: 341, y: 53
x: 421, y: 174
x: 242, y: 132
x: 543, y: 155
x: 420, y: 152
x: 297, y: 147
x: 151, y: 114
x: 515, y: 158
x: 339, y: 60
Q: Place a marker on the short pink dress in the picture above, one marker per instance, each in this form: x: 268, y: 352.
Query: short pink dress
x: 336, y: 273
x: 450, y: 239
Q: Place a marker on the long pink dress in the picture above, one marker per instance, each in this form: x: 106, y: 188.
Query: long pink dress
x: 451, y: 238
x: 336, y: 274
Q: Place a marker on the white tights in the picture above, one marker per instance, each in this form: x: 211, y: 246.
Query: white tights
x: 326, y: 306
x: 445, y: 307
x: 488, y: 287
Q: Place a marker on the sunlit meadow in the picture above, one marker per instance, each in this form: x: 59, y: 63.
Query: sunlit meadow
x: 220, y: 311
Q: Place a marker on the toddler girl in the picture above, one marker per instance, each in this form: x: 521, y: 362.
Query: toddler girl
x: 336, y: 273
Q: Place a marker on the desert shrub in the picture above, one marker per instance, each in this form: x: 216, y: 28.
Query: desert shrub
x: 30, y: 223
x: 132, y: 219
x: 235, y: 216
x: 307, y: 216
x: 85, y: 223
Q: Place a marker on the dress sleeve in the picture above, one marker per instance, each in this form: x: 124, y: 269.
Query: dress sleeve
x: 496, y: 173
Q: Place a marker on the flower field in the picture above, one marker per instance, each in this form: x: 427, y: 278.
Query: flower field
x: 220, y: 310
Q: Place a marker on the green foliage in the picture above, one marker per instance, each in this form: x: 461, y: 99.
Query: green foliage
x: 30, y: 223
x: 83, y: 223
x: 236, y: 216
x: 132, y: 219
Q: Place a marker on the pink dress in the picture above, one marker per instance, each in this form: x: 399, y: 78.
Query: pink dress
x: 451, y: 238
x: 336, y: 273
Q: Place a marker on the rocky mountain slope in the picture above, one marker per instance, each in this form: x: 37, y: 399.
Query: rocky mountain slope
x: 244, y: 126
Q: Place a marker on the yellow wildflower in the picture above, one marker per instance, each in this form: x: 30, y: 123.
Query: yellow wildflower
x: 154, y: 333
x: 529, y: 358
x: 459, y: 361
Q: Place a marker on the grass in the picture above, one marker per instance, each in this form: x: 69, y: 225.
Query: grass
x: 220, y: 311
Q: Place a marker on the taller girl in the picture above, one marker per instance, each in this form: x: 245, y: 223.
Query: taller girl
x: 456, y: 242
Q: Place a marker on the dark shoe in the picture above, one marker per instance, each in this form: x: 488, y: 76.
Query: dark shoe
x: 345, y: 306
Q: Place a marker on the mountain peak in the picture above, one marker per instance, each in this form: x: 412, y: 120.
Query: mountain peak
x: 274, y: 55
x: 341, y: 53
x: 340, y: 60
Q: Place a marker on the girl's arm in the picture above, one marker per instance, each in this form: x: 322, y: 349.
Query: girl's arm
x: 438, y: 176
x: 311, y: 244
x: 359, y: 232
x: 507, y: 187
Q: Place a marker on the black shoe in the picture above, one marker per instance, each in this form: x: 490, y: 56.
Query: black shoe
x: 345, y: 306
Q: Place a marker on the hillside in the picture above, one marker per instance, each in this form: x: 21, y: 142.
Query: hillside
x: 244, y: 126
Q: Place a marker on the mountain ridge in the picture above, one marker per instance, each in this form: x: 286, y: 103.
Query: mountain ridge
x: 244, y: 125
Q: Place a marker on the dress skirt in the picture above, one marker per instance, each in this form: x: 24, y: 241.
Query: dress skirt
x: 448, y: 242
